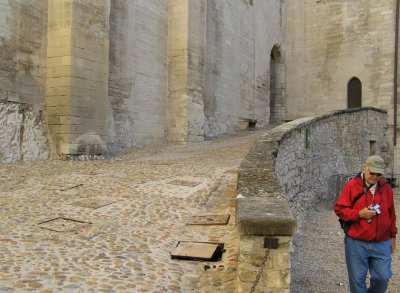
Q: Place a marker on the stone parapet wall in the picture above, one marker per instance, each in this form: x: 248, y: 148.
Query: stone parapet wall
x: 285, y: 173
x: 339, y: 143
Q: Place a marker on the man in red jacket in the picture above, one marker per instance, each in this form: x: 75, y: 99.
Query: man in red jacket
x: 366, y: 206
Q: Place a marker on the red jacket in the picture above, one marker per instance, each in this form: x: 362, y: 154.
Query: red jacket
x: 383, y: 226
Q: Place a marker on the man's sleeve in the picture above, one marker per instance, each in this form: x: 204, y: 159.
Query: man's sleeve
x: 344, y: 208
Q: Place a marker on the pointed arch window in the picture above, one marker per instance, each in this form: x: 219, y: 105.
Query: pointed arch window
x: 277, y: 104
x: 354, y: 93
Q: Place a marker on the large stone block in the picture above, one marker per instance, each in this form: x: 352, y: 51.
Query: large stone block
x: 264, y: 216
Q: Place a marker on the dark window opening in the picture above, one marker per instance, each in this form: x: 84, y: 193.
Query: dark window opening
x: 354, y: 93
x: 372, y: 147
x: 277, y: 106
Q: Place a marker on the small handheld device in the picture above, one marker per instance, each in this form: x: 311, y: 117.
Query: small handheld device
x: 376, y: 208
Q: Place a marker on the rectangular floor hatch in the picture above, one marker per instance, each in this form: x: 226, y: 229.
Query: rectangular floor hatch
x: 207, y: 251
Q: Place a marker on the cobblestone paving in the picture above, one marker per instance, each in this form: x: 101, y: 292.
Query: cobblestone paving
x: 110, y: 225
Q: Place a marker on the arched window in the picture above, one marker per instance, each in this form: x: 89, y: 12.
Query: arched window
x: 277, y: 105
x: 354, y: 93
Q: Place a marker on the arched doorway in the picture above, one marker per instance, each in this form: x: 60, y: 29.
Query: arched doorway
x: 354, y: 90
x: 277, y: 106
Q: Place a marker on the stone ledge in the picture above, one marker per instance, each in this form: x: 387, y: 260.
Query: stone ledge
x: 264, y: 216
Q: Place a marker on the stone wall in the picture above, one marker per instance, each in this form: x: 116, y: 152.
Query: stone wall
x: 138, y: 73
x: 208, y: 64
x: 23, y: 133
x: 77, y: 77
x: 185, y: 108
x: 239, y: 39
x: 219, y: 65
x: 23, y: 27
x: 339, y: 143
x: 329, y: 43
x: 114, y: 75
x: 286, y: 172
x: 23, y: 41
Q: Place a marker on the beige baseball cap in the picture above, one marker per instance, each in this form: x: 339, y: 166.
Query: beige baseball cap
x: 376, y: 164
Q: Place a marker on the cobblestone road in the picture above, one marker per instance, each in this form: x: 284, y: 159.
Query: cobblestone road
x: 110, y: 225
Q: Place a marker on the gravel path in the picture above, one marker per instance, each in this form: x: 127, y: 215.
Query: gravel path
x: 318, y: 254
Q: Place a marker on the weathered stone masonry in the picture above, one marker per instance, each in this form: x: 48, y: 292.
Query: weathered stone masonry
x: 331, y: 42
x: 112, y: 75
x: 23, y: 33
x: 108, y: 76
x: 339, y: 144
x: 22, y: 135
x: 77, y: 76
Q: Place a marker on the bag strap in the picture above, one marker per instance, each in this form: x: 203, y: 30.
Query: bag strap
x: 365, y: 190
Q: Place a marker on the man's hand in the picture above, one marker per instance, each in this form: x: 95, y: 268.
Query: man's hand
x: 366, y: 213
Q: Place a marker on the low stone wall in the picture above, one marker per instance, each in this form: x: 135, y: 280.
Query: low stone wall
x: 23, y: 133
x: 285, y: 173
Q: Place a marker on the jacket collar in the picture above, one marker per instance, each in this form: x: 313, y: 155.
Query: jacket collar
x: 359, y: 179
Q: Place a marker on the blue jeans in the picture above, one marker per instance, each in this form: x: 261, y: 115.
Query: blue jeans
x: 362, y: 256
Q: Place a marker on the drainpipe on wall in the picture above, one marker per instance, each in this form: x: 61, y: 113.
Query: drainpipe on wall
x: 396, y: 47
x: 254, y: 65
x: 396, y: 55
